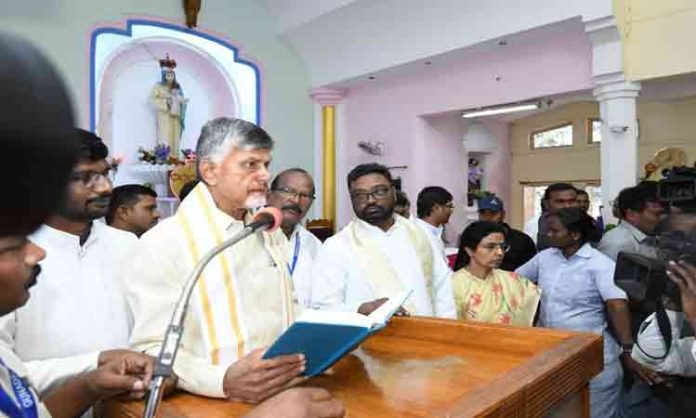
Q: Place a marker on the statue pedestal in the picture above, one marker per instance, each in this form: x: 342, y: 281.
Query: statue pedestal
x: 156, y: 175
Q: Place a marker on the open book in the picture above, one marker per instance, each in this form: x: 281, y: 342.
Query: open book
x: 324, y: 336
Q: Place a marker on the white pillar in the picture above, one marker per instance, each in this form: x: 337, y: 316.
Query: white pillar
x: 619, y: 147
x: 617, y: 108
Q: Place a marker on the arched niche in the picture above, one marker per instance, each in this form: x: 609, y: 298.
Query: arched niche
x: 125, y: 67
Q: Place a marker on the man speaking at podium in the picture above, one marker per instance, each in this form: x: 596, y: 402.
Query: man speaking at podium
x: 243, y: 300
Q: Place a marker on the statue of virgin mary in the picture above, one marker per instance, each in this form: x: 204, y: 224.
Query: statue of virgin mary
x: 170, y: 103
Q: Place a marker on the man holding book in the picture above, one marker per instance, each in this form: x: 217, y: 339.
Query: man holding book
x: 243, y: 300
x: 379, y: 255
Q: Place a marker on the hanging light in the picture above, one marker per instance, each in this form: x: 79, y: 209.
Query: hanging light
x: 498, y: 110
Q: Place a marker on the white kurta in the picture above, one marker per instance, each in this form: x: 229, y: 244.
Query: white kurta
x: 340, y: 284
x: 306, y: 246
x: 76, y: 310
x: 434, y: 234
x: 155, y: 277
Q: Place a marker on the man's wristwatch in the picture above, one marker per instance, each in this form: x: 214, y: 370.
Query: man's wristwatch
x: 627, y: 348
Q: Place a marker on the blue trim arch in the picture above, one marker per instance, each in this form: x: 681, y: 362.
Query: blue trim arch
x: 128, y: 31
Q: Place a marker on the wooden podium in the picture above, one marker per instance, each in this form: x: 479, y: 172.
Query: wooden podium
x: 420, y: 367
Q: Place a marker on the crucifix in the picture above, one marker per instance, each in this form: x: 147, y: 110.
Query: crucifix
x: 191, y: 8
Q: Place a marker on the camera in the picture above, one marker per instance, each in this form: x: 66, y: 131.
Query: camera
x: 678, y: 188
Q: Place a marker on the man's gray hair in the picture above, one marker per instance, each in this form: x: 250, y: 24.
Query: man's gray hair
x: 219, y: 136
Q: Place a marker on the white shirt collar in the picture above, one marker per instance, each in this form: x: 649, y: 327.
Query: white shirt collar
x: 376, y: 229
x: 435, y: 230
x: 62, y: 238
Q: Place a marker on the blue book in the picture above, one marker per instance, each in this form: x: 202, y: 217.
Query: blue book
x: 324, y: 337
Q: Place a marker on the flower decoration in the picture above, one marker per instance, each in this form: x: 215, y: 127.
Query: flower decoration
x: 159, y: 155
x: 189, y: 155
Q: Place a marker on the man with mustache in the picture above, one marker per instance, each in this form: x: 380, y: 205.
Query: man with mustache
x: 78, y: 313
x: 243, y: 301
x: 292, y: 191
x: 133, y: 208
x: 379, y: 255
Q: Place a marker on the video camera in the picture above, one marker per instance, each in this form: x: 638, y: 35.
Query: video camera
x: 678, y: 188
x: 645, y: 279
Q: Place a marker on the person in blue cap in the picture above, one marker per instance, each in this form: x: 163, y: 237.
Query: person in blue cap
x: 522, y: 247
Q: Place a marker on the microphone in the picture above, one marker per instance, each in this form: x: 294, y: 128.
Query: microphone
x: 266, y: 219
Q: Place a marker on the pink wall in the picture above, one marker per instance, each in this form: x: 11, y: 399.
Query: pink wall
x: 418, y: 115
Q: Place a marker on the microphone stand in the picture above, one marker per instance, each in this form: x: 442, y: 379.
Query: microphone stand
x: 175, y: 330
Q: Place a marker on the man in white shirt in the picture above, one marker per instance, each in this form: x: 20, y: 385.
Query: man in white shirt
x: 243, y: 300
x: 379, y: 254
x: 434, y: 207
x: 640, y: 213
x: 292, y: 191
x: 46, y: 148
x: 78, y: 312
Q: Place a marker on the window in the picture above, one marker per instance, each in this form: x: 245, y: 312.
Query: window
x: 557, y: 136
x: 594, y: 131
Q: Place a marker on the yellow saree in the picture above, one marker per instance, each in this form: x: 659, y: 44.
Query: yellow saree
x: 502, y: 298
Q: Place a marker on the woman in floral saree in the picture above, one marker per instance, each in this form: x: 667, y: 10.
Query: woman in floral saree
x: 484, y: 293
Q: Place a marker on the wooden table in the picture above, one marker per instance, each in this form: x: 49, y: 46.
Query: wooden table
x: 430, y: 367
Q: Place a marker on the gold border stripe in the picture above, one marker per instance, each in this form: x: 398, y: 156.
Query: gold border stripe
x: 202, y: 288
x: 226, y: 275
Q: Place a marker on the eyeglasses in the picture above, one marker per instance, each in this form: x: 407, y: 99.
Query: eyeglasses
x: 504, y: 246
x: 294, y: 194
x: 377, y: 193
x: 90, y: 178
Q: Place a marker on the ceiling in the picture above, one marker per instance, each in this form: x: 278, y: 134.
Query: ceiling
x: 342, y: 40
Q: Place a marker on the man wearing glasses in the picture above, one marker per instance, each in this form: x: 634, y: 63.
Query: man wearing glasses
x: 78, y: 309
x: 292, y: 191
x: 379, y: 255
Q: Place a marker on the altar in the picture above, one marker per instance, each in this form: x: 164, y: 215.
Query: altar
x: 420, y: 367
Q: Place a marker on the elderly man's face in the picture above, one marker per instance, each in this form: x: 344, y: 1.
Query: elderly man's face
x: 294, y: 196
x: 240, y: 180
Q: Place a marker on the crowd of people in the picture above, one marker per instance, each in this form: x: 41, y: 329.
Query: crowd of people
x: 102, y: 293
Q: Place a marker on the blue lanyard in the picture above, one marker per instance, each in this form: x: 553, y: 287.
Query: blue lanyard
x: 27, y: 407
x: 295, y: 255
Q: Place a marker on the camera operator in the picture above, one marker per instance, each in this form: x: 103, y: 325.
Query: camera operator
x: 661, y: 341
x: 652, y: 350
x: 639, y: 210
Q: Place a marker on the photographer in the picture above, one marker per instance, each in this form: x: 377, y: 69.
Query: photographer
x: 652, y: 350
x: 665, y: 287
